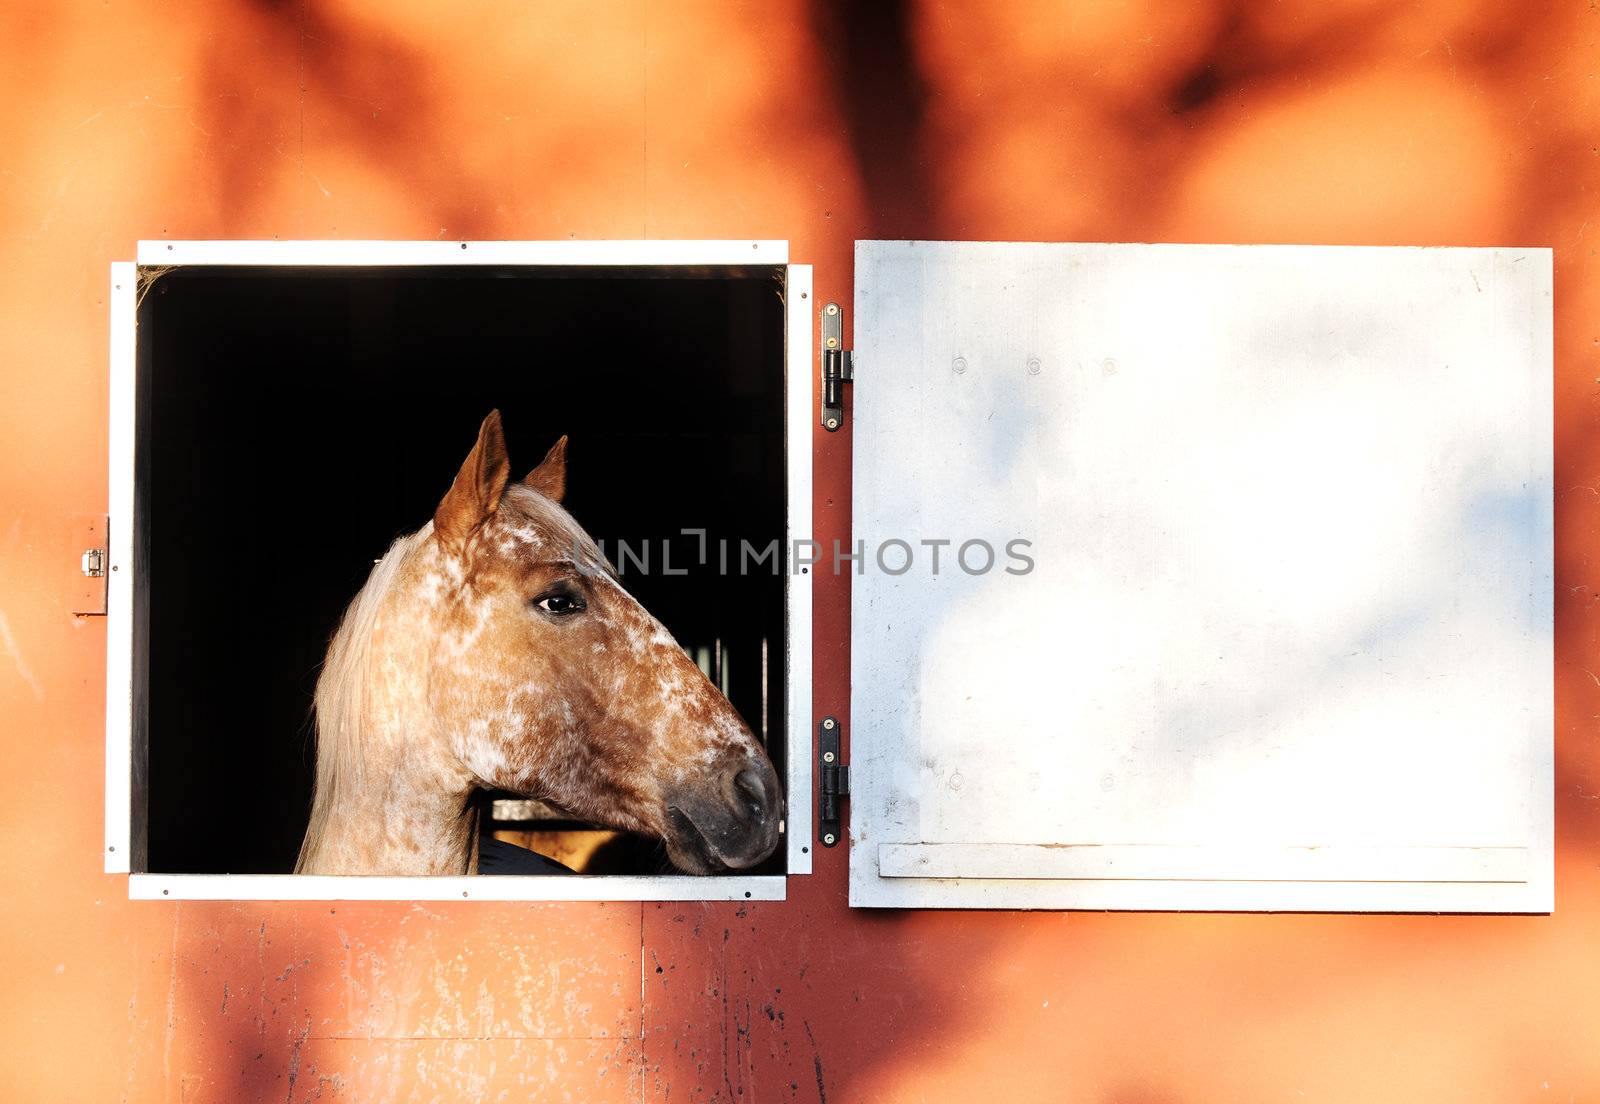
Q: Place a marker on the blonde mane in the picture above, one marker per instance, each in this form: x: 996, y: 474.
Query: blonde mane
x: 341, y: 686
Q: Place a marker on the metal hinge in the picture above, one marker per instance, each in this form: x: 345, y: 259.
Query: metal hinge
x: 838, y: 367
x: 834, y: 784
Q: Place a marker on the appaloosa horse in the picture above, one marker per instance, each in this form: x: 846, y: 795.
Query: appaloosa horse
x: 494, y: 649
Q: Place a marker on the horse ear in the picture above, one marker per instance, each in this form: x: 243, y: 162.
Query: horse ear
x: 550, y: 477
x: 479, y: 484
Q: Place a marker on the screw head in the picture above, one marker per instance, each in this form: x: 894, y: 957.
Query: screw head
x: 833, y: 342
x: 833, y: 423
x: 1033, y: 366
x: 833, y: 308
x: 829, y: 723
x: 958, y: 365
x: 827, y: 757
x: 828, y: 839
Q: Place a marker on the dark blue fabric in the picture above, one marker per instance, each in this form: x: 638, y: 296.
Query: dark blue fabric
x: 499, y: 857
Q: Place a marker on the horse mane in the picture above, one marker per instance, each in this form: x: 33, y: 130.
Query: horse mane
x: 341, y: 687
x: 339, y: 711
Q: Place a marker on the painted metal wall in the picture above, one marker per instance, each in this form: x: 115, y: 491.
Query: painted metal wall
x: 1360, y: 121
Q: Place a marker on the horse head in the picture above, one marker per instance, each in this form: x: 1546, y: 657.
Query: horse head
x: 513, y: 659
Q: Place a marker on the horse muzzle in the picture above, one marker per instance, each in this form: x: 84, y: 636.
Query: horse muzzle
x: 732, y: 821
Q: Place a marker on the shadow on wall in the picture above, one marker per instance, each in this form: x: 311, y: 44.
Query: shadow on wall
x: 393, y: 1001
x: 339, y: 121
x: 375, y: 100
x: 1362, y: 123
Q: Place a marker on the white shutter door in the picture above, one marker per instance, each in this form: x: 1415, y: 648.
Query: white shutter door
x: 1286, y: 643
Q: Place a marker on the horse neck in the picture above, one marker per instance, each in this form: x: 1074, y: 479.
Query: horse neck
x: 400, y: 826
x: 389, y: 797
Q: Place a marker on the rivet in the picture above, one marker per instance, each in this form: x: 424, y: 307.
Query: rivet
x: 827, y: 757
x: 959, y: 364
x: 833, y: 342
x: 829, y: 723
x: 1033, y: 366
x: 828, y: 839
x: 833, y: 423
x: 833, y: 308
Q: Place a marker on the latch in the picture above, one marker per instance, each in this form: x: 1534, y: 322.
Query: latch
x: 86, y: 572
x: 835, y: 782
x: 838, y: 367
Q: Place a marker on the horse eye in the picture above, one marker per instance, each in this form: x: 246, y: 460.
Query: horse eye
x: 560, y: 603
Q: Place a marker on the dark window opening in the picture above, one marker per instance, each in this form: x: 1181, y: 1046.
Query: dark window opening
x: 294, y: 421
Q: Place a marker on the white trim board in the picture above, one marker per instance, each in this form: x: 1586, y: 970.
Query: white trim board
x: 576, y: 254
x: 1146, y: 863
x: 486, y: 887
x: 122, y: 567
x: 799, y: 368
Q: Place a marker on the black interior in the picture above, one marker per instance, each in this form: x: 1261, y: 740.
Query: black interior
x: 297, y: 420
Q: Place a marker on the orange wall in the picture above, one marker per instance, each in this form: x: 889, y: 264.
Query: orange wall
x: 1361, y: 121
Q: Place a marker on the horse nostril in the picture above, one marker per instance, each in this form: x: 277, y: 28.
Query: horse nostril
x: 753, y: 790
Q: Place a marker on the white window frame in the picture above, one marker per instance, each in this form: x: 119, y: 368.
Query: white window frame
x: 127, y: 574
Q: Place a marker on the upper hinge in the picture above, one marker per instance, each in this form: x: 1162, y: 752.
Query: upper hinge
x: 838, y: 367
x: 833, y: 782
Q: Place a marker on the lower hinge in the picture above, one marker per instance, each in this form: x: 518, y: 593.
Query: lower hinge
x: 838, y: 367
x: 834, y: 783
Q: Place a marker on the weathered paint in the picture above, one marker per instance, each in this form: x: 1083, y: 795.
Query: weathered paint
x: 1437, y: 122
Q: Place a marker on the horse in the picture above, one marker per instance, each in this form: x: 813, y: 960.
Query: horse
x: 495, y: 649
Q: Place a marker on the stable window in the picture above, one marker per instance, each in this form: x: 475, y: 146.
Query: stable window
x: 283, y: 410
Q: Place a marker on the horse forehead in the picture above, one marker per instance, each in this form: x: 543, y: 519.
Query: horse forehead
x: 528, y: 522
